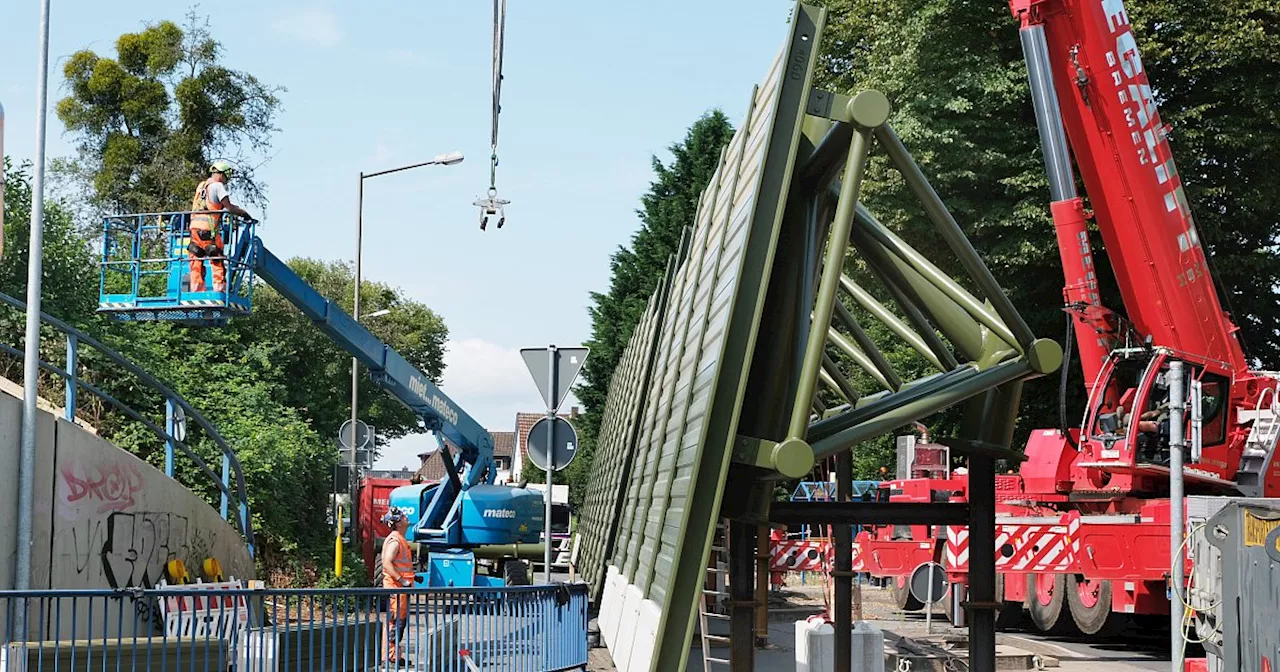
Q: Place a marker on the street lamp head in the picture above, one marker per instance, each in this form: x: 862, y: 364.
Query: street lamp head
x: 449, y: 159
x: 377, y: 313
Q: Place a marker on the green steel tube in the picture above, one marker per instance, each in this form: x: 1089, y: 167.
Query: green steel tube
x: 842, y: 383
x: 932, y: 403
x: 882, y: 402
x: 886, y: 317
x: 888, y: 377
x: 499, y: 551
x: 860, y: 358
x: 907, y: 301
x: 943, y: 281
x: 952, y: 320
x: 876, y: 112
x: 951, y: 232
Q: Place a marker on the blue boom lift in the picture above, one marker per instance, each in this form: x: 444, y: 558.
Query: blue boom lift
x: 145, y: 277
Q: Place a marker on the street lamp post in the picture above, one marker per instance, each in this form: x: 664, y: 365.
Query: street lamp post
x: 449, y: 159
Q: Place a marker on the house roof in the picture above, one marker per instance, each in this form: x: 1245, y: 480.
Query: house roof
x: 432, y: 468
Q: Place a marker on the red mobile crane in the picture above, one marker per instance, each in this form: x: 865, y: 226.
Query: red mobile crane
x: 1085, y: 523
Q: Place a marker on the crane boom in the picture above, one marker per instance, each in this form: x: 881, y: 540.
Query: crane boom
x: 1121, y: 146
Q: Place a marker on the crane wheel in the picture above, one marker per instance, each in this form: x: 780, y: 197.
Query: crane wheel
x: 1046, y: 599
x: 902, y: 596
x: 1090, y: 603
x: 515, y: 573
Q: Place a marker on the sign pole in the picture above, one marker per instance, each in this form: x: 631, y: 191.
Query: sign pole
x: 551, y: 459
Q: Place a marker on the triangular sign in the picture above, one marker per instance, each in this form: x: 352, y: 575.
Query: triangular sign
x: 568, y: 362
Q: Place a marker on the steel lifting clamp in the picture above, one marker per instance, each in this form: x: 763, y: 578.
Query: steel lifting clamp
x: 492, y: 205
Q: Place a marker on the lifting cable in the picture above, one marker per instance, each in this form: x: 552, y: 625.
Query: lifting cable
x: 492, y: 205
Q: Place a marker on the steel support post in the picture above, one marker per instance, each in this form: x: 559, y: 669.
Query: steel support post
x: 170, y: 426
x: 1177, y: 401
x: 982, y: 563
x: 762, y: 587
x: 31, y: 356
x: 742, y: 543
x: 226, y: 482
x: 73, y: 380
x: 841, y: 536
x: 551, y: 461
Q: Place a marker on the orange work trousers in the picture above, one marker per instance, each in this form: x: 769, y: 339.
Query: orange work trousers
x: 195, y: 261
x: 397, y: 623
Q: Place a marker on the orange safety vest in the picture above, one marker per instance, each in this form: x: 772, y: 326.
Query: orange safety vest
x: 201, y: 202
x: 403, y: 562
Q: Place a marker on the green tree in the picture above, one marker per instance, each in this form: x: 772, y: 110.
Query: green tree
x: 954, y: 70
x: 316, y: 374
x: 149, y: 122
x: 666, y: 209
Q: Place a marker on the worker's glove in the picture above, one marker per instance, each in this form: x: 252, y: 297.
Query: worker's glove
x: 407, y: 583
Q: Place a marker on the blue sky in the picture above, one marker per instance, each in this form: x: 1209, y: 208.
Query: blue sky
x: 592, y: 91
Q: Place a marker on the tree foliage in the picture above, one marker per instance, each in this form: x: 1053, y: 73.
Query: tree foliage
x: 955, y: 72
x: 666, y: 209
x: 149, y: 122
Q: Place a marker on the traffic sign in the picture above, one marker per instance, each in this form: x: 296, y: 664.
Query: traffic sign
x: 564, y: 444
x: 925, y: 574
x: 560, y: 364
x: 364, y: 435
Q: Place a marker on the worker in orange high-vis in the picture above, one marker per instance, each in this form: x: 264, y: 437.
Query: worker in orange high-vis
x: 206, y: 233
x: 397, y: 572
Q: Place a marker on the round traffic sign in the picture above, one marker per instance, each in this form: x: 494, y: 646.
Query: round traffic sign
x: 363, y: 437
x: 926, y: 573
x: 563, y: 443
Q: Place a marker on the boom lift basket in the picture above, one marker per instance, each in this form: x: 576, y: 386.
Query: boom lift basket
x: 144, y: 272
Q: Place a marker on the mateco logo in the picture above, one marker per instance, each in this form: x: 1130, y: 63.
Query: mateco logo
x: 437, y: 403
x: 498, y: 513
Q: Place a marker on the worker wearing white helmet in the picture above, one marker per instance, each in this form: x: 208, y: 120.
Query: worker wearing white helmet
x: 206, y: 235
x: 397, y: 572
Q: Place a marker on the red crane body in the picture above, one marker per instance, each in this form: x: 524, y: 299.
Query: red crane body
x: 1088, y: 514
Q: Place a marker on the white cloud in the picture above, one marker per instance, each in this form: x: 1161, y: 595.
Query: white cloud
x: 314, y: 26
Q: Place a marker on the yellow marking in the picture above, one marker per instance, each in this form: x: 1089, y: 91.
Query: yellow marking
x: 1256, y: 529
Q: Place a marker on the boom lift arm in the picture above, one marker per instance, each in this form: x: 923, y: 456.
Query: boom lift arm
x: 396, y: 375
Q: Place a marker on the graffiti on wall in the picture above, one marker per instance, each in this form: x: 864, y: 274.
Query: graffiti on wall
x: 112, y: 487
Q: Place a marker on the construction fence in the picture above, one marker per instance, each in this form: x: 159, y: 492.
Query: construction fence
x: 225, y: 627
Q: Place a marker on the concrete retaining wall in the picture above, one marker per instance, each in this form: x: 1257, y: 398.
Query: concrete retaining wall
x: 104, y: 518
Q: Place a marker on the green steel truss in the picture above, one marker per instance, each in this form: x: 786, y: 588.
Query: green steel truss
x: 716, y: 396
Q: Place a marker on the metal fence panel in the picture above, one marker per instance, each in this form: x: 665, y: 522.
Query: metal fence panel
x: 199, y: 628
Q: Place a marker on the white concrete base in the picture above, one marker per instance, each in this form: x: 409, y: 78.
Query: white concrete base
x: 815, y: 646
x: 646, y: 636
x: 627, y: 624
x: 610, y: 606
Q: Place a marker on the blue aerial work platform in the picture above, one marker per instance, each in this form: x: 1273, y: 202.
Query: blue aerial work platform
x: 145, y: 277
x: 145, y: 269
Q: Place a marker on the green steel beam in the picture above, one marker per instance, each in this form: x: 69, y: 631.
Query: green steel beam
x: 868, y: 109
x: 923, y: 293
x: 862, y: 359
x: 952, y: 233
x: 842, y: 384
x: 887, y: 377
x: 944, y: 282
x: 904, y: 414
x: 908, y: 302
x: 871, y: 404
x: 897, y: 326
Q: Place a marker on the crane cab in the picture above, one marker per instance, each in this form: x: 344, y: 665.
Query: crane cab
x: 145, y: 272
x: 1125, y: 441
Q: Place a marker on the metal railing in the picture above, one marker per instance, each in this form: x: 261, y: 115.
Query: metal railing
x: 145, y: 257
x: 206, y: 627
x: 230, y: 482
